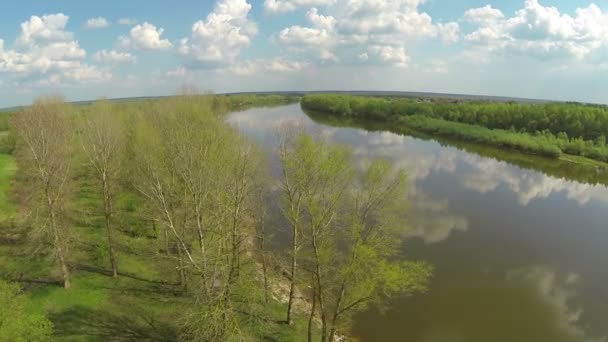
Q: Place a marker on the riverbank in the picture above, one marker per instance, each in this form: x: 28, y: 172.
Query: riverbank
x: 400, y: 116
x: 580, y: 169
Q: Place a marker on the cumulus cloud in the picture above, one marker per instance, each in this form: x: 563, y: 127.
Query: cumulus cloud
x: 48, y: 54
x: 284, y: 6
x: 127, y: 21
x: 539, y: 31
x: 487, y: 175
x: 389, y: 55
x: 558, y: 293
x: 485, y: 16
x: 220, y: 38
x: 273, y: 65
x: 318, y: 39
x: 114, y: 57
x: 145, y: 37
x: 432, y: 221
x: 96, y: 23
x: 366, y: 31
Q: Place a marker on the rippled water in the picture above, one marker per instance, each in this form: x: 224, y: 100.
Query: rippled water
x: 519, y: 255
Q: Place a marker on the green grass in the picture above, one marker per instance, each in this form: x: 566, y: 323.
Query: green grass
x: 143, y: 303
x: 8, y: 168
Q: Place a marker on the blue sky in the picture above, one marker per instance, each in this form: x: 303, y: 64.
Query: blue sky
x: 86, y: 50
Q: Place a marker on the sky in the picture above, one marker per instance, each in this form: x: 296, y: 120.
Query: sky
x: 83, y: 50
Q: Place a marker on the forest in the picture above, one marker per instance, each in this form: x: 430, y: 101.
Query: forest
x: 548, y: 129
x: 156, y: 220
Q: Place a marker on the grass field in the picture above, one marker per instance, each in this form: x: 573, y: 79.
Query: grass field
x: 140, y: 305
x: 7, y: 171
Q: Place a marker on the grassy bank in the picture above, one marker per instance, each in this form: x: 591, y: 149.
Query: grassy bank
x: 537, y: 134
x: 145, y: 302
x: 7, y: 172
x: 580, y: 169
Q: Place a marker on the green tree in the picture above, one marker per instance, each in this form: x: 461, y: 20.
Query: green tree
x: 349, y: 225
x: 16, y: 323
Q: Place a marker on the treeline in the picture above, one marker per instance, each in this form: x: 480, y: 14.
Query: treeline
x: 166, y: 189
x: 245, y: 101
x: 544, y: 129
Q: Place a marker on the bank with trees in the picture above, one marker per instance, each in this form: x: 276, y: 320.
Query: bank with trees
x: 147, y: 220
x: 548, y: 129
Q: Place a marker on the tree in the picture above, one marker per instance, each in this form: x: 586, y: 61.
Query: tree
x: 102, y: 140
x: 295, y: 153
x: 44, y: 149
x: 348, y: 224
x: 202, y: 180
x: 364, y: 264
x: 16, y: 324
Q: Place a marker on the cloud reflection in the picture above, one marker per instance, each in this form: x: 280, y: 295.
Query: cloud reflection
x: 558, y: 293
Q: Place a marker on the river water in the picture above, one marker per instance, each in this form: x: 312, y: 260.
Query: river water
x: 519, y: 255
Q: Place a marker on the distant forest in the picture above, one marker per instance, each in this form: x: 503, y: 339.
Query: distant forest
x: 548, y: 129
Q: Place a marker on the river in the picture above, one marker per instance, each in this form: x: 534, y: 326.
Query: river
x: 519, y: 255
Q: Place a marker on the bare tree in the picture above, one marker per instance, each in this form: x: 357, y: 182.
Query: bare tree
x: 293, y: 183
x: 202, y: 180
x: 101, y: 138
x: 45, y: 140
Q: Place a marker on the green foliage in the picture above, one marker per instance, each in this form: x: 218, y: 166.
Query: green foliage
x: 7, y: 170
x: 526, y: 143
x: 187, y: 152
x: 240, y: 102
x: 350, y: 229
x: 7, y: 143
x: 545, y: 129
x: 16, y: 323
x: 4, y: 119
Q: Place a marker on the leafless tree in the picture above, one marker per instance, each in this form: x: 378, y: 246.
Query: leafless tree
x: 45, y: 140
x: 102, y: 139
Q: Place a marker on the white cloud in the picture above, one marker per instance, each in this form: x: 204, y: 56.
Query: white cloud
x: 47, y: 28
x: 389, y: 55
x: 46, y: 53
x: 283, y: 6
x: 485, y: 16
x: 114, y: 57
x: 220, y: 38
x: 449, y: 33
x: 145, y: 37
x: 274, y: 65
x: 365, y: 30
x: 96, y: 23
x: 127, y: 21
x: 539, y: 31
x: 179, y: 72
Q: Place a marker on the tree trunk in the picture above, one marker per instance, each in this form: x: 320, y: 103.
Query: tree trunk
x: 108, y: 215
x: 167, y: 241
x: 265, y: 274
x: 181, y: 271
x: 65, y: 271
x: 332, y: 331
x: 292, y: 288
x: 320, y: 290
x: 311, y: 318
x: 113, y: 261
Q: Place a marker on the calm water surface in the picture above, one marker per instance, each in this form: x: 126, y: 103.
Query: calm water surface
x: 518, y: 255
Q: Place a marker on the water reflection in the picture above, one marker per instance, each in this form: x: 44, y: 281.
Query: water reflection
x: 431, y: 220
x: 483, y: 223
x: 557, y: 293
